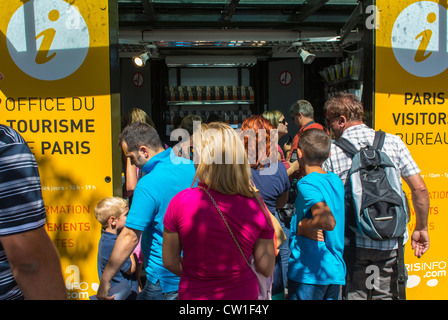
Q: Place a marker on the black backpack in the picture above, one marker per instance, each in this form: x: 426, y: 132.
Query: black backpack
x: 376, y: 205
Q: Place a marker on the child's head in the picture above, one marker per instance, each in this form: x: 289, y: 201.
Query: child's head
x: 111, y: 207
x: 315, y: 144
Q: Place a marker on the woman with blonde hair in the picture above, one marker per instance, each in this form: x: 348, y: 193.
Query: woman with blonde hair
x: 212, y: 267
x: 137, y: 115
x: 278, y: 120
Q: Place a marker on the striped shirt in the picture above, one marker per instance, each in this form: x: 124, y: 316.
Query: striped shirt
x: 361, y: 136
x: 21, y: 205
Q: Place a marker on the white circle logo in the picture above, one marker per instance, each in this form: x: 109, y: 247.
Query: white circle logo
x: 419, y: 39
x: 54, y: 46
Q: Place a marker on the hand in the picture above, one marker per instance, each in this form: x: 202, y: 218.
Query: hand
x: 310, y: 233
x: 420, y: 242
x: 295, y: 166
x: 314, y: 234
x: 103, y: 291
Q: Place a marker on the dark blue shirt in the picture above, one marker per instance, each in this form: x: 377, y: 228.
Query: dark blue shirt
x: 105, y: 247
x: 272, y: 182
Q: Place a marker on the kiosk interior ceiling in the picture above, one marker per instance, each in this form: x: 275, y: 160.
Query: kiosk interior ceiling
x: 244, y: 26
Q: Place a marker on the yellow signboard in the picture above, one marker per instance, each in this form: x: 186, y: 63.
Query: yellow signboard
x: 54, y: 55
x: 411, y: 100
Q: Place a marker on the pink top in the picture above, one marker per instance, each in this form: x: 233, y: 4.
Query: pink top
x: 282, y: 155
x: 213, y: 267
x: 138, y: 254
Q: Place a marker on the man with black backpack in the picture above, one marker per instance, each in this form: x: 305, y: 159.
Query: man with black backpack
x: 370, y: 164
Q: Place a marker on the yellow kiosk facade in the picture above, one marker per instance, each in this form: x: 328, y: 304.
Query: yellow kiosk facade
x: 55, y: 56
x: 411, y: 100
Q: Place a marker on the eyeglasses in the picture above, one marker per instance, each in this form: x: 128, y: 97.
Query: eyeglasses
x: 283, y: 121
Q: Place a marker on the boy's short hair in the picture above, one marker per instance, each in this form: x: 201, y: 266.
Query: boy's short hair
x: 108, y: 207
x: 316, y: 144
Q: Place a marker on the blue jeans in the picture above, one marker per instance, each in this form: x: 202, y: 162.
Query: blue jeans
x: 303, y: 291
x: 281, y: 263
x: 154, y: 292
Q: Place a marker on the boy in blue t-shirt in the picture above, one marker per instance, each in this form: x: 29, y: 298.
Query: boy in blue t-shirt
x: 112, y: 212
x: 316, y: 266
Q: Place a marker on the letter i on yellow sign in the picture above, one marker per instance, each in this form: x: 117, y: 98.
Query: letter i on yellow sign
x: 411, y: 63
x: 56, y: 93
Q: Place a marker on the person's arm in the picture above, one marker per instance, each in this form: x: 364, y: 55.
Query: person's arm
x: 124, y: 245
x: 322, y: 219
x: 133, y: 267
x: 171, y: 252
x: 35, y: 265
x: 420, y: 201
x: 130, y: 177
x: 264, y: 256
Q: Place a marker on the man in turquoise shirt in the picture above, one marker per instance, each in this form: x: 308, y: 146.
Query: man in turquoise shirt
x: 163, y: 179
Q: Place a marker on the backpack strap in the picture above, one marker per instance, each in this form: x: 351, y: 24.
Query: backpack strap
x: 378, y: 142
x: 350, y: 150
x: 346, y: 146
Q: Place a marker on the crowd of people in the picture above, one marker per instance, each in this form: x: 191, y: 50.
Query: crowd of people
x: 201, y: 221
x: 205, y: 218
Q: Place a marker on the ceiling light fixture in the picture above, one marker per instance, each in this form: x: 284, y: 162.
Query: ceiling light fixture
x: 307, y: 57
x: 140, y: 60
x: 151, y: 52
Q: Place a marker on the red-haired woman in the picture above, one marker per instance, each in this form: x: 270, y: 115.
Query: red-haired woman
x: 271, y: 179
